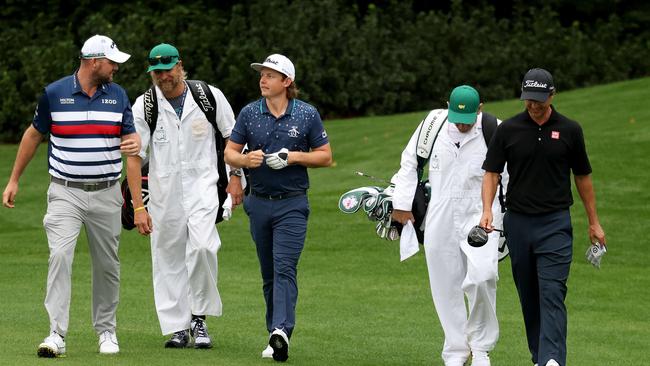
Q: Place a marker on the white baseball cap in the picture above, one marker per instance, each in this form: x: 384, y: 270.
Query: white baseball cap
x: 278, y: 63
x: 103, y: 47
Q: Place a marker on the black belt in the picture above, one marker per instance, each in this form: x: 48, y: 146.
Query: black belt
x: 279, y: 196
x: 86, y: 186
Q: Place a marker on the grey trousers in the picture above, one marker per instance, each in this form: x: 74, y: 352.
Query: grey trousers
x: 99, y: 212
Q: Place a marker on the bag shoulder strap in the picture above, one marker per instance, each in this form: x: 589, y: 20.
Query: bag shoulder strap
x: 205, y: 99
x: 429, y: 130
x: 150, y: 101
x: 489, y: 124
x: 207, y: 103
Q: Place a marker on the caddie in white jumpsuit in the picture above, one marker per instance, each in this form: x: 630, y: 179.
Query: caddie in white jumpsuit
x: 456, y: 270
x: 183, y: 200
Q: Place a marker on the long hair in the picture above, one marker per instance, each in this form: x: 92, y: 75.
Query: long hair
x: 292, y: 90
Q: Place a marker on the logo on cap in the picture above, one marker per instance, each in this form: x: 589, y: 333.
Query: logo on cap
x: 534, y: 84
x: 461, y: 106
x: 271, y: 61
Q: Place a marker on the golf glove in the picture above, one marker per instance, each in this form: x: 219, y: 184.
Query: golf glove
x: 278, y: 160
x: 595, y: 253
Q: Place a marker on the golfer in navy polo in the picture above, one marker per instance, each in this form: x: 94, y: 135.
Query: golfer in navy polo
x: 90, y: 125
x: 285, y: 136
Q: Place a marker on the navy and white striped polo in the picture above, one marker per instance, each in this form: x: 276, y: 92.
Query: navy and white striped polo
x: 85, y: 132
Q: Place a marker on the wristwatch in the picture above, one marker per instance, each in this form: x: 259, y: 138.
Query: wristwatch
x: 235, y: 172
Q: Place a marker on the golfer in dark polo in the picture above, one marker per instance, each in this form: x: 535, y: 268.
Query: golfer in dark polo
x: 542, y: 148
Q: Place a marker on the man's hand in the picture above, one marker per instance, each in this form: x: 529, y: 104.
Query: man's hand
x: 402, y: 216
x: 130, y: 146
x: 278, y: 160
x: 254, y: 158
x: 143, y: 222
x: 486, y: 221
x: 597, y: 234
x: 9, y: 195
x: 235, y: 190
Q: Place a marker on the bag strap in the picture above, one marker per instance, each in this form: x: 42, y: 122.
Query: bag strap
x: 150, y: 101
x: 429, y: 130
x: 489, y: 124
x: 205, y: 100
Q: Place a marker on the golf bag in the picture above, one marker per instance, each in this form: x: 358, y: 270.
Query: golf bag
x: 127, y: 206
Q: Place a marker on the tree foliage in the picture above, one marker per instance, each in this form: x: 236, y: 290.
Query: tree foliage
x: 352, y: 58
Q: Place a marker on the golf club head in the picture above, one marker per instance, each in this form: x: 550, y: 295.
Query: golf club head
x: 477, y: 237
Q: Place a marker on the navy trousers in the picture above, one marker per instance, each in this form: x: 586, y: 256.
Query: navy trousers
x: 278, y: 228
x: 541, y: 248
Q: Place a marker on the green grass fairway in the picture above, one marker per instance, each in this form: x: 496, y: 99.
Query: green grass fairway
x: 358, y: 304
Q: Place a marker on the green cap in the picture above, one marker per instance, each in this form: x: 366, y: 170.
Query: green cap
x: 463, y: 105
x: 163, y: 57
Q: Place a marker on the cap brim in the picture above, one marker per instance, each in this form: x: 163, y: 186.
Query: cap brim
x: 119, y: 57
x: 466, y: 118
x: 258, y: 67
x: 162, y: 66
x: 536, y: 96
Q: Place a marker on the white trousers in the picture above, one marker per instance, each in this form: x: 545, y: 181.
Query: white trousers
x: 459, y: 272
x: 184, y: 262
x: 99, y: 212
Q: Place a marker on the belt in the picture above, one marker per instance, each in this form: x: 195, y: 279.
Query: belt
x: 86, y: 186
x: 278, y: 196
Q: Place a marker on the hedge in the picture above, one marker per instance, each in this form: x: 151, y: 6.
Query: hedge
x: 349, y: 61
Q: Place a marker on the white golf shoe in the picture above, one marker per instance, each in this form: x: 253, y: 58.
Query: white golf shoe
x: 268, y: 352
x: 52, y: 346
x: 108, y: 343
x: 455, y: 363
x: 552, y: 362
x: 480, y: 359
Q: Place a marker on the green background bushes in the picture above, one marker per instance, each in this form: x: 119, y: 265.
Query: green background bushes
x: 352, y: 58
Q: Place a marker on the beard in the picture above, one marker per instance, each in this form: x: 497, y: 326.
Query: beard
x: 103, y: 79
x: 167, y: 86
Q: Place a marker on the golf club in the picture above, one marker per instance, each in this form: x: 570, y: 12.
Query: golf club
x: 372, y: 177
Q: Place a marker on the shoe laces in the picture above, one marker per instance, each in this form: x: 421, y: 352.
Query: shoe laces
x: 199, y: 328
x: 107, y: 335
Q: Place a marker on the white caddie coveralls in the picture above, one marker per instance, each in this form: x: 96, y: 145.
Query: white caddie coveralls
x: 183, y: 204
x: 455, y: 268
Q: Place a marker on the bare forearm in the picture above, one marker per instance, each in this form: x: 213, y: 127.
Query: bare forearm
x: 28, y: 145
x: 134, y: 178
x: 585, y: 189
x: 312, y: 159
x: 489, y: 190
x: 234, y: 158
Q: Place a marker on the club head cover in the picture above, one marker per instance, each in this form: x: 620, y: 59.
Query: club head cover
x: 352, y: 200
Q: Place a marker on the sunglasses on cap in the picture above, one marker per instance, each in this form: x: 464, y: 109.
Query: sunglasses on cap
x: 153, y: 61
